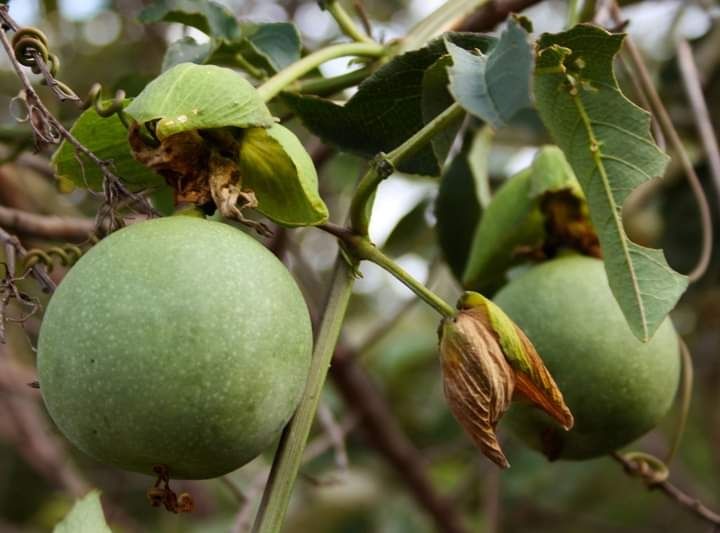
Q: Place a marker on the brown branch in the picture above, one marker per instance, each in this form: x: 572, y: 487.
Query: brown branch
x: 663, y: 117
x: 693, y: 88
x: 492, y: 14
x: 384, y: 433
x: 692, y: 505
x: 51, y: 227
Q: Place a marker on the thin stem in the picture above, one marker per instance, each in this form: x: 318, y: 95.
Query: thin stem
x: 288, y: 458
x: 666, y: 123
x: 327, y: 86
x: 362, y: 248
x: 346, y: 23
x: 692, y: 505
x: 282, y: 79
x: 384, y: 166
x: 686, y: 388
x: 573, y: 14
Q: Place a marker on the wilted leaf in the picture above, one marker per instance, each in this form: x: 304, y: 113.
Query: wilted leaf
x: 532, y: 379
x: 607, y: 141
x: 276, y: 167
x: 108, y: 139
x: 477, y: 379
x: 191, y: 97
x: 494, y: 86
x: 86, y: 516
x: 387, y: 108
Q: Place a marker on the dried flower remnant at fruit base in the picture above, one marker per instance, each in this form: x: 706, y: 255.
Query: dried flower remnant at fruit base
x: 485, y: 359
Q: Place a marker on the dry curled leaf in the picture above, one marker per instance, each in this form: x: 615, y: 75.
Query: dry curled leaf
x: 477, y: 378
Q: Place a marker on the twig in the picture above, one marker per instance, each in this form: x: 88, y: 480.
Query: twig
x: 691, y: 80
x: 666, y: 123
x: 335, y: 435
x: 39, y: 272
x: 47, y: 129
x: 388, y: 438
x: 691, y: 504
x: 52, y: 227
x: 492, y: 14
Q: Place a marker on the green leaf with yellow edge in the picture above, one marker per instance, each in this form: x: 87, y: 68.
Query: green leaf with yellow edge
x: 276, y: 167
x: 541, y: 205
x: 191, y: 97
x: 607, y: 141
x: 86, y: 516
x: 532, y: 379
x: 107, y: 138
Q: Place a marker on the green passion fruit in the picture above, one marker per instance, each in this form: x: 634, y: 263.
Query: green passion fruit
x: 176, y: 342
x: 616, y: 386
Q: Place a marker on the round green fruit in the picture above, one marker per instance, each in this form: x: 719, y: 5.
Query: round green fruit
x: 178, y: 342
x: 616, y: 386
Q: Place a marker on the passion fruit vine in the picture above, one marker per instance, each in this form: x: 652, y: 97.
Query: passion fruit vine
x: 177, y: 342
x: 617, y: 387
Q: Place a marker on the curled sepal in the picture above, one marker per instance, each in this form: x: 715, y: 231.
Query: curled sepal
x: 477, y: 379
x: 277, y: 168
x: 532, y: 379
x: 198, y: 97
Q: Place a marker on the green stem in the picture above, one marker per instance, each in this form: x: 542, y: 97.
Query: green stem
x: 328, y: 86
x: 573, y: 14
x: 288, y: 457
x: 362, y: 248
x: 257, y: 73
x: 359, y: 209
x: 282, y: 79
x: 346, y: 23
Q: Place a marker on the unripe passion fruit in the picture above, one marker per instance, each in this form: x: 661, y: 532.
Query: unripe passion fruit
x: 616, y: 386
x: 177, y: 342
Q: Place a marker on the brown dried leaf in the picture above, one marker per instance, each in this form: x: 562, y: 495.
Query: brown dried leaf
x: 478, y: 380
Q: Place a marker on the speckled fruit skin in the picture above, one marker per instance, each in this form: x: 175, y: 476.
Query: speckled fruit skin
x: 176, y: 341
x: 616, y: 386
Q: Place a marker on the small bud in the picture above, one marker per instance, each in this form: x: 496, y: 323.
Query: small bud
x: 478, y: 380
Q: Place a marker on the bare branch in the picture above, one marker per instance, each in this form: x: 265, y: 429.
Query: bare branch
x: 52, y: 227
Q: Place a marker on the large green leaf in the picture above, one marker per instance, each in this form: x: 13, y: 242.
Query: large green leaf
x: 276, y: 167
x: 209, y: 17
x: 435, y: 99
x: 190, y: 97
x: 607, y: 141
x: 458, y: 210
x: 107, y: 138
x: 494, y: 87
x: 515, y: 220
x: 387, y: 108
x: 86, y: 516
x: 269, y: 46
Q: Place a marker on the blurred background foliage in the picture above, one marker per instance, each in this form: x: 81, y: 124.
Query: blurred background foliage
x: 389, y: 341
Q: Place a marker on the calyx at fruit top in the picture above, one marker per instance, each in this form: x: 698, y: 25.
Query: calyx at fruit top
x: 486, y: 358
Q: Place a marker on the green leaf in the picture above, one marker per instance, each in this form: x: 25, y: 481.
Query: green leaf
x: 411, y: 234
x: 494, y: 87
x: 107, y: 138
x: 209, y: 17
x: 435, y: 99
x: 387, y: 108
x: 86, y: 516
x: 272, y: 45
x: 607, y: 141
x: 515, y: 220
x: 458, y: 208
x: 191, y: 97
x: 186, y: 50
x: 275, y: 165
